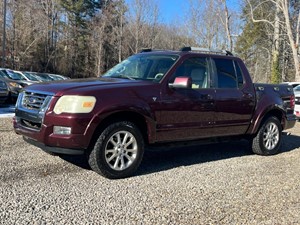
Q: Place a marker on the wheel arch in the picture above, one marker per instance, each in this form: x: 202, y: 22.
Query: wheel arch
x: 144, y: 124
x: 274, y: 112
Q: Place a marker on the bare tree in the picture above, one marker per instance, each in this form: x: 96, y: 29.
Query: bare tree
x: 209, y: 23
x: 284, y: 8
x: 143, y: 18
x: 275, y: 77
x: 298, y: 32
x: 283, y: 5
x: 227, y: 25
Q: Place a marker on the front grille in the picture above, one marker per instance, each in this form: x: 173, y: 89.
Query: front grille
x: 31, y: 108
x: 30, y: 124
x: 34, y: 101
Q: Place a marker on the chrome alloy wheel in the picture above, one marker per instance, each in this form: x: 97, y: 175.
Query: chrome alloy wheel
x: 271, y: 136
x: 121, y: 150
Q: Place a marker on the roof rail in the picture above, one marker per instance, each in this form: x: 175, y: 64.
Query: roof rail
x: 206, y: 50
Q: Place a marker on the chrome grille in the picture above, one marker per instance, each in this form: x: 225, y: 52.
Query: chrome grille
x: 34, y: 101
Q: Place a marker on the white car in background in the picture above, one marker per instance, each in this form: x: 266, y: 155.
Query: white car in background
x: 294, y: 84
x: 297, y: 101
x: 296, y: 87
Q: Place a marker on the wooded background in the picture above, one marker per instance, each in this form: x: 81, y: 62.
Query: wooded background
x: 84, y: 38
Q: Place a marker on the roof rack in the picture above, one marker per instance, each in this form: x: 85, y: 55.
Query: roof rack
x: 146, y: 50
x: 206, y: 50
x: 150, y: 50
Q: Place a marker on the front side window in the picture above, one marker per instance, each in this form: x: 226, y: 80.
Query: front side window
x: 226, y: 73
x: 197, y: 69
x: 143, y: 67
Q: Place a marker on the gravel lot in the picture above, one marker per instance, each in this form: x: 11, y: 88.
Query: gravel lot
x: 215, y: 184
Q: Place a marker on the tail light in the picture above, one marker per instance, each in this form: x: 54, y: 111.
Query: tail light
x: 292, y: 102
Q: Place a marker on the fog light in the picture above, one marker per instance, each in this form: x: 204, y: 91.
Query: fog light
x: 61, y: 130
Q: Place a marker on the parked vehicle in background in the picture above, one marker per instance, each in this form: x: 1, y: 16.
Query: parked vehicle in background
x: 17, y: 76
x: 297, y: 89
x: 153, y: 98
x: 4, y: 92
x: 37, y: 76
x: 45, y: 77
x: 14, y: 86
x: 57, y: 76
x: 293, y: 84
x: 297, y: 102
x: 22, y: 76
x: 30, y: 76
x: 42, y: 76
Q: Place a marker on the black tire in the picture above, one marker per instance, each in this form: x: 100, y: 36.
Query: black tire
x: 118, y: 151
x: 268, y: 139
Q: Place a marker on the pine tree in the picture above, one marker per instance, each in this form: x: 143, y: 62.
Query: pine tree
x: 79, y: 14
x: 254, y: 44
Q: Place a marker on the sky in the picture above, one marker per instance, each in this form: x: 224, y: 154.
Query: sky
x: 172, y: 9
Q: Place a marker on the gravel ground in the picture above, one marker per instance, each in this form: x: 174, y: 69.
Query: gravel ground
x: 215, y: 184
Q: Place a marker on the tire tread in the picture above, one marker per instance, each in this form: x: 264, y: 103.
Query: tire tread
x: 257, y: 146
x: 94, y: 157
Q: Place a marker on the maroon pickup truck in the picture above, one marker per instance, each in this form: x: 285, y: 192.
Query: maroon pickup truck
x: 153, y: 98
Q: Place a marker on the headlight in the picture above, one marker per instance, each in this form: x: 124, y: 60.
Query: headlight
x: 13, y: 84
x: 75, y: 104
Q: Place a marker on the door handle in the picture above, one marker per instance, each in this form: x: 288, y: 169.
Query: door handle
x: 206, y: 97
x: 248, y: 95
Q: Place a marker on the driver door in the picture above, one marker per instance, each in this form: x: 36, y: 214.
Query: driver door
x: 188, y: 113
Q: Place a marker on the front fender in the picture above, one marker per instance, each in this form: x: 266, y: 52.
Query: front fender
x: 136, y: 108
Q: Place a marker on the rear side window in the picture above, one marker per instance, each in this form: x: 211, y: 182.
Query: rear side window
x: 226, y: 73
x: 239, y: 74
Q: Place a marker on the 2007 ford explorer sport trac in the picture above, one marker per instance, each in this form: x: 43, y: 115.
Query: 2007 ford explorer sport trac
x: 154, y: 97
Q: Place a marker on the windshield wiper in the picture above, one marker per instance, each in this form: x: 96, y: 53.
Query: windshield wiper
x: 123, y: 76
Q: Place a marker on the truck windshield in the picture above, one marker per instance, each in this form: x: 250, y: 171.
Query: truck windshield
x: 143, y: 67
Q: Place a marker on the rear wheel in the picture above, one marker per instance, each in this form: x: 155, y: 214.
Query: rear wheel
x: 268, y: 139
x: 118, y: 151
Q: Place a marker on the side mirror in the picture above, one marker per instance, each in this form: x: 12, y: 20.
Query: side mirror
x: 181, y: 82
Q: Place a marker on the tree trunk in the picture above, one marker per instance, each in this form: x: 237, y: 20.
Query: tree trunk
x: 298, y: 32
x: 285, y: 9
x: 227, y: 27
x: 275, y: 75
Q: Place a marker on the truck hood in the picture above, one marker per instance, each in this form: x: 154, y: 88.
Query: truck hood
x: 58, y: 88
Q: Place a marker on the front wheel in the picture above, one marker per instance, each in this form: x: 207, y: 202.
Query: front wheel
x: 268, y: 139
x: 118, y: 151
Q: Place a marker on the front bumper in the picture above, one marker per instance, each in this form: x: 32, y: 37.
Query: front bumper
x: 49, y: 149
x: 73, y: 144
x: 37, y: 125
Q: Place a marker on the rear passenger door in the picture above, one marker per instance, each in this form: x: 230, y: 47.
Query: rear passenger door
x: 234, y: 103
